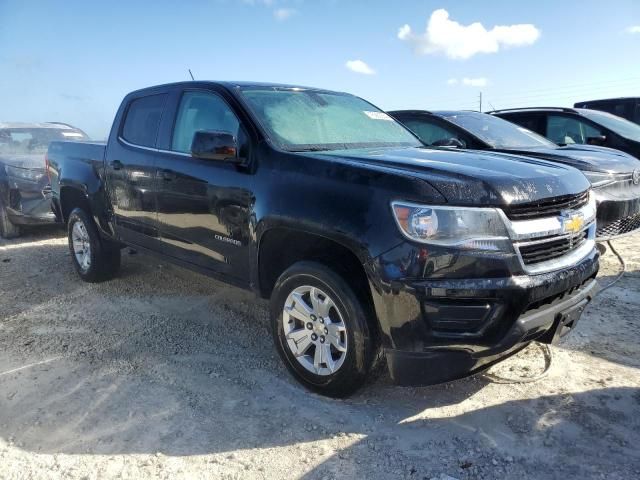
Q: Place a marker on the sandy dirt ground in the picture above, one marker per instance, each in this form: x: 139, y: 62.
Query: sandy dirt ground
x: 162, y: 373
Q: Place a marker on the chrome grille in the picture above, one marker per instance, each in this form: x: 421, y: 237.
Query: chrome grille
x: 546, y: 208
x: 549, y: 249
x: 620, y: 227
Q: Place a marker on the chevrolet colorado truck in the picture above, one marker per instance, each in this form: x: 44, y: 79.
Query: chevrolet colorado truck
x: 368, y: 244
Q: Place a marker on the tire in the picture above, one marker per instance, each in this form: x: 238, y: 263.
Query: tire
x: 345, y: 371
x: 7, y: 229
x: 102, y: 261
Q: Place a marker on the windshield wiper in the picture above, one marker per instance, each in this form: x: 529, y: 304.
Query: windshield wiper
x: 311, y: 149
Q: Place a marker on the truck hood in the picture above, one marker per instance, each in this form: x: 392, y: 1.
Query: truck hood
x: 583, y: 157
x: 30, y: 161
x: 470, y: 177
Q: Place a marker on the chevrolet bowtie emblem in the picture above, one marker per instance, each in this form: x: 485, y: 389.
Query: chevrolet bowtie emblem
x: 572, y: 223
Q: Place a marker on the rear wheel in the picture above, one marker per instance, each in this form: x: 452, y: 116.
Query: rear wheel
x: 93, y: 259
x: 320, y: 329
x: 7, y: 229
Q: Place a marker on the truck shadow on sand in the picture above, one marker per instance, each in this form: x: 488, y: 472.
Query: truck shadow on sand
x: 65, y: 407
x: 179, y: 364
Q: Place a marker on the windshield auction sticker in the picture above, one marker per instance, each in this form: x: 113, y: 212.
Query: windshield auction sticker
x: 377, y: 115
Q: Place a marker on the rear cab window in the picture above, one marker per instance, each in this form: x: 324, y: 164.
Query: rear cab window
x: 142, y: 120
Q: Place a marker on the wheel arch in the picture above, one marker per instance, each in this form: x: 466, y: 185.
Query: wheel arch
x: 73, y: 197
x: 281, y: 247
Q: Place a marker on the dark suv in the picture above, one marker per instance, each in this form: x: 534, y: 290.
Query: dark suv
x: 627, y: 107
x: 615, y: 175
x: 24, y: 185
x: 566, y: 126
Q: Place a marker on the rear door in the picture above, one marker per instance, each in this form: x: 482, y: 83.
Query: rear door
x: 204, y: 205
x: 131, y: 170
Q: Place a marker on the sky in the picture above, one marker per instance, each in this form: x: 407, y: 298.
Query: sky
x: 73, y: 60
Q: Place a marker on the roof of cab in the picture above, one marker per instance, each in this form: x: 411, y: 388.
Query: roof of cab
x: 230, y: 85
x: 440, y: 113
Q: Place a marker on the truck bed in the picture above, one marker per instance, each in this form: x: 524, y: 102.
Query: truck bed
x: 77, y: 150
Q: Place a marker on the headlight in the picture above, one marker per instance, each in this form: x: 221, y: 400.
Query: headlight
x: 458, y: 227
x: 599, y: 179
x: 24, y: 173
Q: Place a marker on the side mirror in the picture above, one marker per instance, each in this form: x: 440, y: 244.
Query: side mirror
x: 448, y: 142
x: 599, y: 140
x: 214, y: 145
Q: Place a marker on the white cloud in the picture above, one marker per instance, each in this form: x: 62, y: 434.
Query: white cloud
x: 460, y: 42
x: 283, y: 14
x: 469, y: 82
x: 475, y: 82
x: 359, y: 66
x: 258, y: 2
x: 633, y: 29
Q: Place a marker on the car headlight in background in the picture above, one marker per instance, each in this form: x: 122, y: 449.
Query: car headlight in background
x: 28, y: 174
x: 458, y: 227
x: 599, y: 179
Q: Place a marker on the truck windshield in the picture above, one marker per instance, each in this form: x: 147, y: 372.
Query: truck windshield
x: 498, y: 133
x: 308, y: 120
x: 622, y: 127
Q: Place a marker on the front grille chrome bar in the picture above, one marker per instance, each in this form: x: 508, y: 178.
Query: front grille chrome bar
x: 547, y: 230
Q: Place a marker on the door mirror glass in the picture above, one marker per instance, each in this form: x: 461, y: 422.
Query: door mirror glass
x: 449, y: 142
x: 598, y: 140
x: 215, y: 145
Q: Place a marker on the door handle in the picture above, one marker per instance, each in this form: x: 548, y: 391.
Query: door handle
x: 116, y: 165
x: 168, y: 175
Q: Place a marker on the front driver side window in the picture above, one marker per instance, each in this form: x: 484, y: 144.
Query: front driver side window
x: 565, y: 130
x: 201, y: 111
x: 430, y: 133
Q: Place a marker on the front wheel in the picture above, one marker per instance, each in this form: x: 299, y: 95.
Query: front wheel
x: 93, y: 259
x: 320, y: 330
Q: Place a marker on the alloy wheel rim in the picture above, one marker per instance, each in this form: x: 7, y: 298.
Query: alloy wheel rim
x: 81, y: 245
x: 315, y: 331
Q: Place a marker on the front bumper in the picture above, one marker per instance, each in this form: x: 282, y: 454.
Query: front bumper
x: 618, y: 211
x: 437, y: 330
x: 441, y: 364
x: 27, y: 202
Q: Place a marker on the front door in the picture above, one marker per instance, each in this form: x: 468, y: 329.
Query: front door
x: 204, y: 205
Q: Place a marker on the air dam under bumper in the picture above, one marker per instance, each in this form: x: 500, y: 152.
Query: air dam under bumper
x: 444, y: 355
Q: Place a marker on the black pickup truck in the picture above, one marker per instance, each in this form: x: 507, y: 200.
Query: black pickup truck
x: 365, y: 241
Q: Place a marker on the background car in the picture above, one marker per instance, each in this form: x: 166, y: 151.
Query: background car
x: 24, y: 185
x: 626, y: 107
x: 566, y: 126
x: 614, y: 175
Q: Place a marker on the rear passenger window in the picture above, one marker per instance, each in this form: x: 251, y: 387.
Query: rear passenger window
x: 143, y: 120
